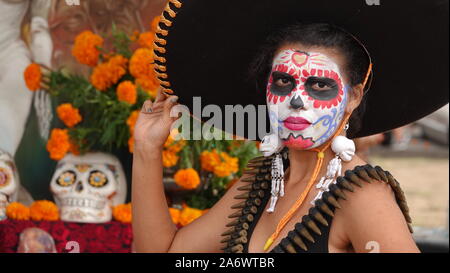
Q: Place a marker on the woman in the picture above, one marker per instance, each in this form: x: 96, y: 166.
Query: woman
x: 315, y: 77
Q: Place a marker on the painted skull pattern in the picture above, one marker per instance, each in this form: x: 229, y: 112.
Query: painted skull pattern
x: 86, y: 187
x: 306, y: 98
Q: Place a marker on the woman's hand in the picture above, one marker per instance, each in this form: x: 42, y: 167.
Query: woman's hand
x: 154, y: 123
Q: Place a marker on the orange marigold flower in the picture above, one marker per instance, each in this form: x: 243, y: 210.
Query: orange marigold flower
x: 44, y: 210
x: 58, y: 145
x: 209, y: 160
x: 175, y: 215
x: 146, y: 39
x: 187, y: 178
x: 107, y: 74
x: 154, y: 23
x: 85, y: 48
x: 33, y: 76
x: 141, y: 63
x: 126, y: 91
x: 228, y: 166
x: 17, y: 211
x: 174, y: 145
x: 189, y: 214
x: 222, y: 165
x: 122, y: 213
x: 69, y: 115
x: 150, y: 85
x: 169, y: 158
x: 131, y: 121
x: 118, y: 60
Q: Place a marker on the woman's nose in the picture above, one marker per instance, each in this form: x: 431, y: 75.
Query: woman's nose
x: 296, y: 102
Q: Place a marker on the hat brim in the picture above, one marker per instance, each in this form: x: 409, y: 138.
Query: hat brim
x: 208, y: 47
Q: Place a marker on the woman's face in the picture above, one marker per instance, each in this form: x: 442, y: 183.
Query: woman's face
x: 306, y: 96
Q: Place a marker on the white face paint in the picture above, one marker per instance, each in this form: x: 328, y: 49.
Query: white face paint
x: 306, y: 98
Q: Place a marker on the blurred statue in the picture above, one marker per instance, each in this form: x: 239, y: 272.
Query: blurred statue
x: 36, y: 240
x: 15, y: 56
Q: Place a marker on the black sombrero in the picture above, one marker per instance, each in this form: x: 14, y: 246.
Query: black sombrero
x: 204, y: 48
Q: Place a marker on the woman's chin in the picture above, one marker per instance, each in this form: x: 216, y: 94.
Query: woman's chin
x: 298, y: 142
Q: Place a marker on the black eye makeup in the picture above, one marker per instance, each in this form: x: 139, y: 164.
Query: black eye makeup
x: 282, y: 83
x: 321, y: 88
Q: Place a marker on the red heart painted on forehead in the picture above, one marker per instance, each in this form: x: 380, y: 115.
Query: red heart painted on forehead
x: 299, y: 59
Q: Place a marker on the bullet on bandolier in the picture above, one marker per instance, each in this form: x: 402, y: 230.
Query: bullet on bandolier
x: 331, y: 200
x: 249, y: 179
x: 263, y: 177
x: 301, y: 230
x: 253, y: 201
x: 362, y: 173
x: 242, y: 219
x: 265, y: 163
x: 344, y: 184
x: 324, y: 207
x: 251, y: 171
x: 258, y: 193
x: 246, y: 210
x: 297, y: 240
x: 254, y: 186
x: 318, y: 216
x: 372, y: 172
x: 311, y: 224
x: 239, y: 205
x: 240, y: 240
x: 381, y: 173
x: 352, y: 177
x: 287, y: 245
x: 337, y: 191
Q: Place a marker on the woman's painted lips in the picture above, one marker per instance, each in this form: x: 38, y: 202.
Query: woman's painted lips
x: 296, y: 123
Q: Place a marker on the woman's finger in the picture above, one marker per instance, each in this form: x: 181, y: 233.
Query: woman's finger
x: 147, y: 107
x: 161, y: 96
x: 168, y: 104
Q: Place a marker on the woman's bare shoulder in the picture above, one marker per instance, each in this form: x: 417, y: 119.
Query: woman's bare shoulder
x: 372, y: 213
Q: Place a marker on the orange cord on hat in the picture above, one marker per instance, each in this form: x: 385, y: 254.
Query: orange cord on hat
x: 317, y: 168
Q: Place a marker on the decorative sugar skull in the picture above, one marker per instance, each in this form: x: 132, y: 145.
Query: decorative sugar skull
x: 9, y: 182
x: 306, y: 98
x: 86, y: 187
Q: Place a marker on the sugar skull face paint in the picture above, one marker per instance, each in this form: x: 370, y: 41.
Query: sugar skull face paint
x: 306, y: 98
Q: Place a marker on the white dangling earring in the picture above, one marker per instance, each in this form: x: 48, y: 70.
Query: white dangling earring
x: 277, y: 181
x: 344, y: 150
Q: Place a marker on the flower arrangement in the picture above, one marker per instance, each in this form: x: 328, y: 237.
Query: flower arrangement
x: 99, y: 113
x: 207, y: 168
x: 93, y: 112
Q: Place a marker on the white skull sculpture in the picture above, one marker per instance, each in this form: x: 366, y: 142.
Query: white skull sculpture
x: 86, y: 187
x: 9, y: 182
